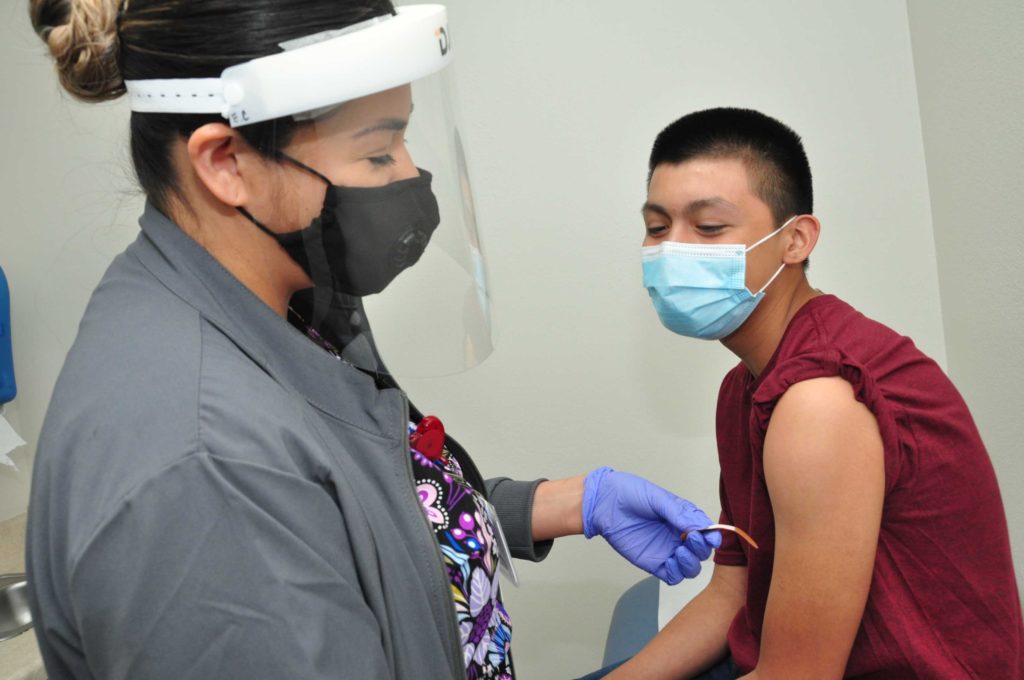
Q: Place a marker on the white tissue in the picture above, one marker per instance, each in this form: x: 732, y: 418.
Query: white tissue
x: 9, y: 440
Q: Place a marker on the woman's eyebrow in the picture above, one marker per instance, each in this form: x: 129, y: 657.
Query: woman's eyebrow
x: 387, y: 124
x: 384, y: 124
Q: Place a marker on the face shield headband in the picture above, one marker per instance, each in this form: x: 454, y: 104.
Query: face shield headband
x: 313, y: 73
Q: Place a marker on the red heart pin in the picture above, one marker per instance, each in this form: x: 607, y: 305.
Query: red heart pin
x: 428, y: 438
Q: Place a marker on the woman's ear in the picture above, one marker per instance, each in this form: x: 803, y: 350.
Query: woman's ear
x: 214, y: 151
x: 803, y: 236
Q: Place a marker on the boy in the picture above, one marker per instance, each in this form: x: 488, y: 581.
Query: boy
x: 845, y: 452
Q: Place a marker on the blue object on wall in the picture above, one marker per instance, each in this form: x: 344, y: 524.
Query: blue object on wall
x: 8, y: 388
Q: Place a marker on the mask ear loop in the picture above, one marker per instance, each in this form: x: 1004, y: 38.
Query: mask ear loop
x: 302, y: 166
x: 774, y: 276
x: 784, y: 225
x: 248, y: 215
x: 280, y: 156
x: 320, y: 271
x: 783, y: 265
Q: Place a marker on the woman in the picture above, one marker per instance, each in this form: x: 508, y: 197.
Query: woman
x: 229, y: 483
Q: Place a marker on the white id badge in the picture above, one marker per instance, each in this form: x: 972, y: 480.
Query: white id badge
x: 504, y: 555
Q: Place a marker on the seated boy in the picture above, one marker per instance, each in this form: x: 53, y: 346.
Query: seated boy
x: 845, y: 452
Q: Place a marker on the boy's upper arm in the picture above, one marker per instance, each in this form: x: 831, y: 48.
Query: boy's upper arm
x: 825, y: 470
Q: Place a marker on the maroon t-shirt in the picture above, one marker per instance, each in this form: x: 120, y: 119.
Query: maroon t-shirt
x: 943, y: 601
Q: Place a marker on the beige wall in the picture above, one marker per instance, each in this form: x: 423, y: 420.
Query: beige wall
x: 970, y: 78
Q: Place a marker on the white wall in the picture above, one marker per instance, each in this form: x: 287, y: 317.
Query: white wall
x: 970, y: 76
x: 67, y: 208
x: 561, y: 101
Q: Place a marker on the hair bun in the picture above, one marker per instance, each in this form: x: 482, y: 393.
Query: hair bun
x: 82, y: 37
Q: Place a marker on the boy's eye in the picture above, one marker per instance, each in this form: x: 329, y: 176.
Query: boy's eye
x: 710, y: 228
x: 656, y: 229
x: 382, y: 161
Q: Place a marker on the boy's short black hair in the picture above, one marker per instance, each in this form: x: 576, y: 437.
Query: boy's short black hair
x: 772, y: 153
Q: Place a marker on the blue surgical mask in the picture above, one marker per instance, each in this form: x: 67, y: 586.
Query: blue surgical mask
x: 700, y: 290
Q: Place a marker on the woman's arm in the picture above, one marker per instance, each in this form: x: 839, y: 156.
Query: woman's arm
x: 558, y: 508
x: 642, y: 521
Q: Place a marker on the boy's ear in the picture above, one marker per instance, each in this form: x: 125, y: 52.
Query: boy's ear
x: 801, y: 239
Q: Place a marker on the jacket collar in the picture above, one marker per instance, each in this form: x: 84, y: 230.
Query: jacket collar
x: 191, y: 273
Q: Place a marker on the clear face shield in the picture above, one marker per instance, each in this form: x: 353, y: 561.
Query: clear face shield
x: 400, y: 283
x: 402, y: 287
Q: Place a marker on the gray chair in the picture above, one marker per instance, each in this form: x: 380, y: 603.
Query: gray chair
x: 638, y: 617
x: 634, y: 621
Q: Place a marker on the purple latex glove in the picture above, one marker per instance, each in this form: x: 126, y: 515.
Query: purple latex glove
x: 643, y: 523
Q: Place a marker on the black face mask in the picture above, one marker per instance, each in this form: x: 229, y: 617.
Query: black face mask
x: 364, y: 237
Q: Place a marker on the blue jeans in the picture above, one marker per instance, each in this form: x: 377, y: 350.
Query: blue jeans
x: 726, y: 670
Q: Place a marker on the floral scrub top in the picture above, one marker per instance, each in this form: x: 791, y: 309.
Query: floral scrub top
x: 459, y: 518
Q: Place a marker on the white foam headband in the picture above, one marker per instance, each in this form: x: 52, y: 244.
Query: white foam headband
x: 312, y: 73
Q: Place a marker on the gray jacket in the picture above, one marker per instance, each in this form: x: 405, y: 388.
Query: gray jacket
x: 214, y: 496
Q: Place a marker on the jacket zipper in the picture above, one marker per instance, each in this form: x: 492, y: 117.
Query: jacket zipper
x: 453, y: 629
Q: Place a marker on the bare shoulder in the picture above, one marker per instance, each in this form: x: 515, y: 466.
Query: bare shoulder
x: 824, y: 465
x: 822, y: 441
x: 819, y: 398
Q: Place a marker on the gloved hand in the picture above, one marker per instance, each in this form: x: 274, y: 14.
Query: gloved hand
x: 643, y: 523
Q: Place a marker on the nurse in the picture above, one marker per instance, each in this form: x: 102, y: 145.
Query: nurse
x: 229, y: 482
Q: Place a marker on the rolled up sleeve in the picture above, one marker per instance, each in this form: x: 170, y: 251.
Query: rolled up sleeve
x: 514, y: 502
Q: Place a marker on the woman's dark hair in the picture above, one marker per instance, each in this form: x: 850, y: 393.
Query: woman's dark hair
x: 98, y: 44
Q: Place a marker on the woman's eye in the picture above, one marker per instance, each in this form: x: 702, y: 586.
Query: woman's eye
x: 382, y: 161
x: 656, y: 229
